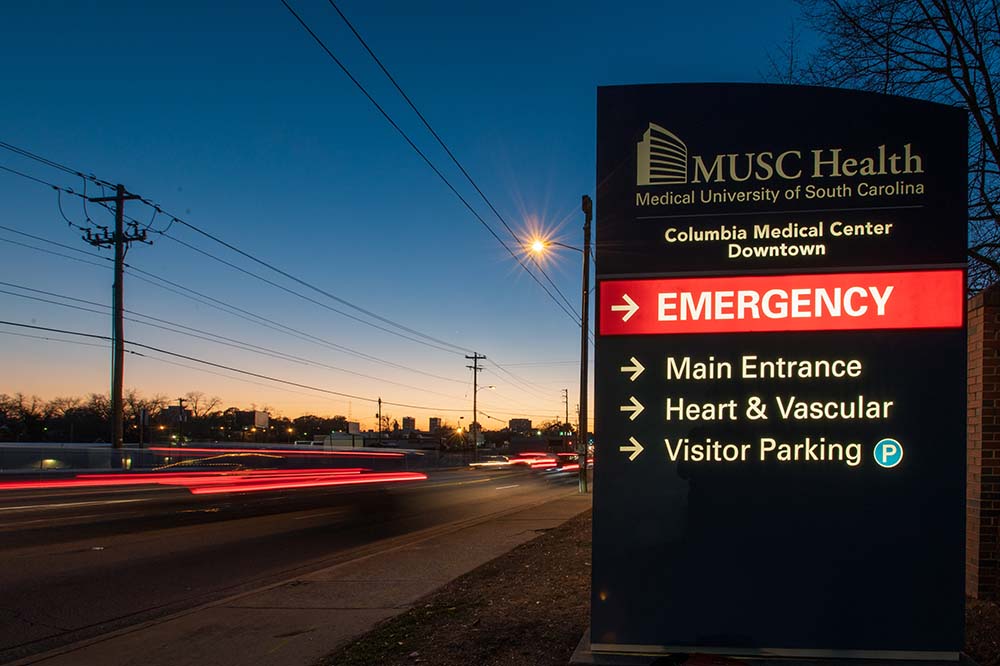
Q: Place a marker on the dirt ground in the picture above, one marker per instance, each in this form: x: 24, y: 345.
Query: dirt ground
x: 530, y: 608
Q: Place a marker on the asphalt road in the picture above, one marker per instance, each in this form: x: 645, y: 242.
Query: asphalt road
x: 76, y: 564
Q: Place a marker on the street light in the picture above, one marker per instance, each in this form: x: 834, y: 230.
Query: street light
x: 475, y: 427
x: 538, y: 246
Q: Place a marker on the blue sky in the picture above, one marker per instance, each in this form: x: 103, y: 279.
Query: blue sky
x: 230, y: 116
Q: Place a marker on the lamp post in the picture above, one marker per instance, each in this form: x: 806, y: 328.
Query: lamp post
x: 476, y: 428
x: 538, y: 247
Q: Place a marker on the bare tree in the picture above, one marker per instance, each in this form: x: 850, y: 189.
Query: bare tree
x: 785, y: 61
x: 944, y: 51
x: 199, y: 404
x: 57, y: 407
x: 135, y: 403
x: 99, y: 405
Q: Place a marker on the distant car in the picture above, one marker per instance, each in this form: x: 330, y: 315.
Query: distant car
x: 492, y: 462
x: 535, y: 460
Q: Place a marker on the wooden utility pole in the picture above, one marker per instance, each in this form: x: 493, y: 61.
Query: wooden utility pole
x: 119, y: 240
x: 566, y: 404
x: 475, y: 358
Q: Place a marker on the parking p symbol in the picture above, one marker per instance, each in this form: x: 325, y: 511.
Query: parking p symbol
x: 888, y: 452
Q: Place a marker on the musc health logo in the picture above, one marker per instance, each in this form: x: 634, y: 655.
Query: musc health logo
x: 661, y: 158
x: 888, y: 452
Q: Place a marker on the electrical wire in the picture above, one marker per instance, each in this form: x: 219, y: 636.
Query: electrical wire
x: 200, y: 334
x: 158, y: 209
x: 444, y: 179
x: 54, y: 164
x: 447, y: 150
x: 195, y: 228
x: 58, y: 254
x: 230, y: 368
x: 304, y: 283
x: 193, y: 294
x: 313, y: 300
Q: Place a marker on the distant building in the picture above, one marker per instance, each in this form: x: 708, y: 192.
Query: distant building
x: 542, y: 443
x: 409, y: 423
x: 522, y: 426
x: 434, y: 424
x: 253, y: 419
x: 177, y: 414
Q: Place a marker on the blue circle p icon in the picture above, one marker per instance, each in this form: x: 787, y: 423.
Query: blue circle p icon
x: 888, y: 452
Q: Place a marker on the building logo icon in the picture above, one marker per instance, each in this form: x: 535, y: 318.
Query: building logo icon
x: 661, y: 158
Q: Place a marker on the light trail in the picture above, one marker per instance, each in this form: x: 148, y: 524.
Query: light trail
x: 200, y: 483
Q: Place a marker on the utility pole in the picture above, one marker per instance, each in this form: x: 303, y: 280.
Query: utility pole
x: 475, y: 358
x: 566, y: 404
x: 119, y: 240
x: 380, y: 420
x: 180, y: 421
x: 587, y: 207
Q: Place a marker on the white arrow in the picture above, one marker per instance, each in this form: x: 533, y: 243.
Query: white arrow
x: 636, y: 408
x: 636, y: 368
x: 630, y: 308
x: 635, y: 449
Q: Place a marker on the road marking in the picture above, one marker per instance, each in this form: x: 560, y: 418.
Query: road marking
x: 516, y: 485
x: 62, y: 505
x: 450, y: 483
x: 21, y: 523
x: 338, y: 512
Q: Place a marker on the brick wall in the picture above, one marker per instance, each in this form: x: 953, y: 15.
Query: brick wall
x: 982, y: 570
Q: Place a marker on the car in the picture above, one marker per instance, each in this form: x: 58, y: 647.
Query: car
x: 534, y: 460
x: 492, y: 462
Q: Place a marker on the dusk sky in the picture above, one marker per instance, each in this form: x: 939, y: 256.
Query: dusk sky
x: 231, y: 117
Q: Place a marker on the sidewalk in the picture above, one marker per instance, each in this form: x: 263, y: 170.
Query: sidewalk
x: 298, y: 621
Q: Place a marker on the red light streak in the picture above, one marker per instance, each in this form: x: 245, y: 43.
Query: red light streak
x: 291, y: 452
x: 385, y: 477
x: 199, y: 483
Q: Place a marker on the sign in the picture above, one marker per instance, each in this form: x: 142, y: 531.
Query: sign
x: 780, y: 373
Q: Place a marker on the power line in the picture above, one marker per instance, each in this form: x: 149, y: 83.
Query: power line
x: 58, y: 254
x: 158, y: 209
x: 424, y: 157
x: 210, y: 301
x: 193, y: 294
x: 216, y: 338
x: 201, y: 334
x: 52, y: 163
x: 447, y: 150
x: 48, y: 339
x: 196, y: 368
x: 524, y: 382
x: 454, y: 350
x: 229, y: 368
x: 314, y: 287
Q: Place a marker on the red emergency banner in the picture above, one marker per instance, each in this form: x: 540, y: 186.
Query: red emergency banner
x: 821, y: 302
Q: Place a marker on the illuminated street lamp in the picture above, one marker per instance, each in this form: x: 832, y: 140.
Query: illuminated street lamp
x: 538, y: 246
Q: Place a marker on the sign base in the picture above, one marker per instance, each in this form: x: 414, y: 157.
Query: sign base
x: 583, y: 656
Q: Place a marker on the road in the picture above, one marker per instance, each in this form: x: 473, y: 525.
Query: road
x: 78, y: 563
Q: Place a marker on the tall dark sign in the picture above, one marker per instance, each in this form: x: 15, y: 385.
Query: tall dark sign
x: 780, y: 373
